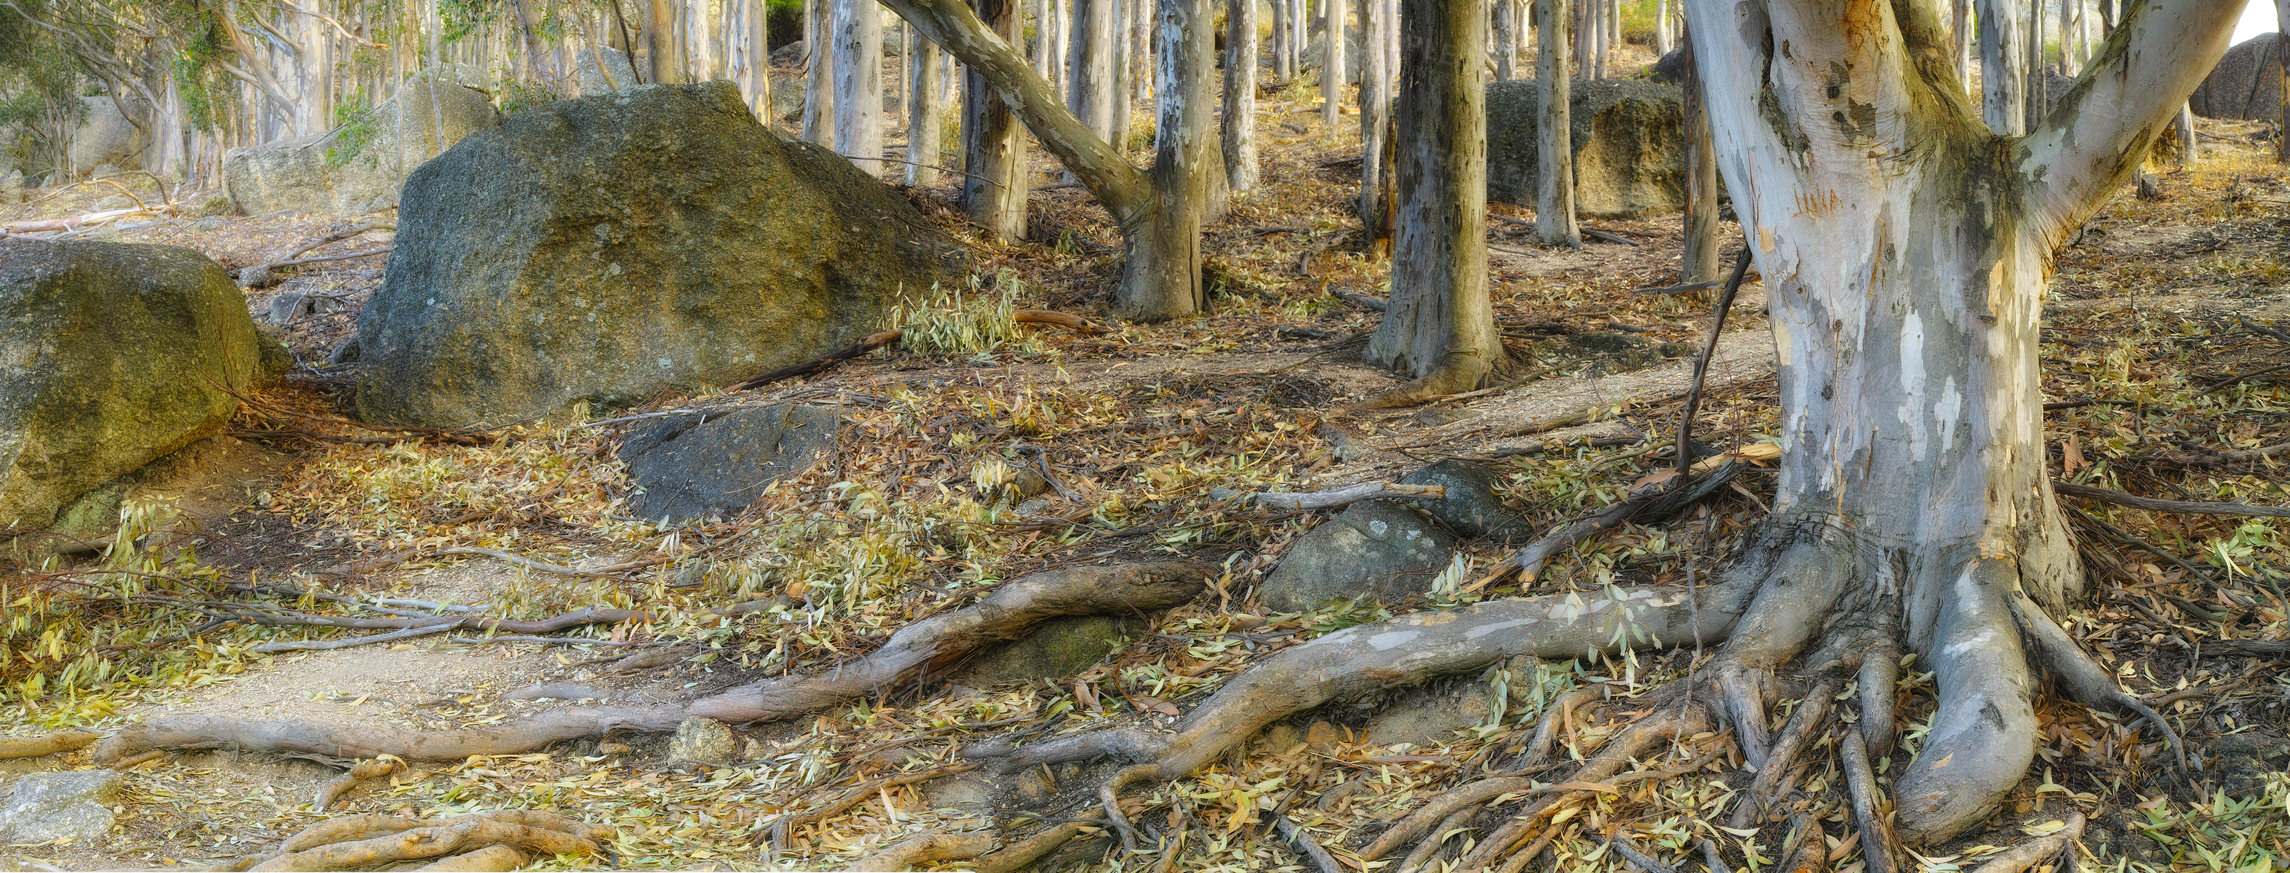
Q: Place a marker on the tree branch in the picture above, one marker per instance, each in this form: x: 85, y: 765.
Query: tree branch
x: 2091, y: 143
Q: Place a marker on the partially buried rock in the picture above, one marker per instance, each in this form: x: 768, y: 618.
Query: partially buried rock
x: 716, y: 463
x: 1379, y: 550
x: 609, y: 248
x: 74, y: 805
x: 1057, y: 649
x: 1629, y: 146
x: 111, y: 356
x: 704, y: 741
x: 1471, y: 507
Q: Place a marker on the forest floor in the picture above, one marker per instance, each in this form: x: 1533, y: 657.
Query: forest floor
x: 2156, y: 310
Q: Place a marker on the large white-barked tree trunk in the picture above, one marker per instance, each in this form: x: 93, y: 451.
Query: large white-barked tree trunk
x: 1906, y: 248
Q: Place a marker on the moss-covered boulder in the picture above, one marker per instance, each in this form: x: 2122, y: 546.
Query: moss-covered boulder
x: 609, y: 248
x: 111, y: 356
x: 359, y: 166
x: 1629, y: 146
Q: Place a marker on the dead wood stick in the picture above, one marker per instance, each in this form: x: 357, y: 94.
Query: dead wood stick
x: 1363, y: 301
x: 33, y: 747
x: 342, y: 784
x: 1329, y: 499
x: 918, y: 649
x: 554, y: 624
x: 2205, y: 458
x: 543, y: 566
x: 320, y: 259
x: 2038, y: 850
x: 2185, y: 507
x: 1607, y: 235
x: 1024, y: 853
x: 350, y: 828
x: 915, y: 851
x: 2263, y: 330
x: 1651, y: 503
x: 1628, y: 849
x: 283, y: 647
x: 1879, y: 848
x: 1709, y: 350
x: 72, y: 223
x: 491, y: 859
x: 1054, y: 318
x: 863, y: 346
x: 1306, y: 846
x: 335, y: 237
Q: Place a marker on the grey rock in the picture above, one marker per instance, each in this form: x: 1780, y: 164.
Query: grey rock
x: 11, y: 187
x: 715, y: 464
x: 208, y: 224
x: 790, y: 54
x: 1471, y: 507
x: 288, y: 306
x: 1057, y: 649
x: 74, y: 805
x: 704, y: 741
x: 1378, y: 550
x: 111, y: 356
x: 360, y: 167
x: 1355, y: 57
x: 1429, y: 714
x: 2246, y: 84
x: 610, y: 248
x: 105, y: 137
x: 603, y: 70
x: 1629, y: 146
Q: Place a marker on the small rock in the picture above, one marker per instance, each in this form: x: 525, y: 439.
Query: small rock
x: 1322, y: 735
x: 704, y: 741
x: 1428, y: 714
x: 1057, y: 649
x: 289, y: 306
x: 712, y: 464
x: 74, y: 805
x: 1033, y: 784
x: 613, y: 748
x: 1378, y: 550
x: 209, y: 224
x: 1471, y: 507
x: 752, y: 749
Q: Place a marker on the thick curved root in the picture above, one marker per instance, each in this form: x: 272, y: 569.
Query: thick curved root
x: 2080, y: 677
x: 491, y: 859
x: 916, y: 650
x: 351, y: 843
x: 1879, y: 847
x: 1983, y: 734
x: 916, y: 851
x: 2038, y: 850
x: 342, y: 784
x: 33, y: 747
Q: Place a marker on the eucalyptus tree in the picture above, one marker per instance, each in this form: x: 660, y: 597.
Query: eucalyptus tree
x: 1440, y: 324
x: 1159, y: 210
x: 818, y: 73
x: 1332, y: 56
x: 1239, y: 122
x: 858, y: 39
x: 1379, y: 63
x: 925, y: 122
x: 1554, y: 138
x: 1699, y: 260
x: 1089, y: 64
x: 2003, y: 67
x: 993, y: 142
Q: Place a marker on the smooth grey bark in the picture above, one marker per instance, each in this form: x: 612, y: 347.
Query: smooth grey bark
x: 1905, y: 248
x: 1554, y: 183
x: 1440, y: 326
x: 1332, y: 52
x: 1380, y: 62
x: 2183, y: 126
x: 759, y: 60
x: 1663, y: 44
x: 1283, y: 30
x: 1090, y: 65
x: 1960, y: 16
x: 2003, y: 68
x: 819, y: 74
x: 1240, y: 153
x: 2033, y: 81
x: 1699, y: 263
x: 925, y: 113
x: 993, y: 142
x: 1506, y: 40
x: 859, y: 83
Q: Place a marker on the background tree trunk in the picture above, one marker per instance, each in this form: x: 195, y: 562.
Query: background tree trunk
x: 665, y: 43
x: 925, y: 116
x: 1554, y: 183
x: 1700, y: 260
x: 1960, y: 15
x: 819, y: 74
x: 1283, y: 30
x: 1240, y: 96
x: 1332, y: 52
x: 1379, y: 62
x: 2282, y: 64
x: 993, y: 143
x: 1090, y: 62
x: 1506, y: 40
x: 1663, y: 44
x: 1161, y: 267
x: 2003, y: 68
x: 1440, y: 326
x: 859, y: 83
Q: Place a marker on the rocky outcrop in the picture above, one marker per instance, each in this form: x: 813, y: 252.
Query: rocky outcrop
x: 605, y: 249
x: 1629, y: 147
x: 360, y: 166
x: 111, y: 356
x: 715, y: 464
x: 105, y: 137
x: 2246, y: 84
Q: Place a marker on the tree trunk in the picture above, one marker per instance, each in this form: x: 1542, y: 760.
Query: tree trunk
x: 1960, y: 14
x: 1332, y: 51
x: 925, y: 117
x: 1282, y: 31
x: 665, y: 44
x: 1554, y: 144
x: 2035, y: 90
x: 1700, y: 260
x: 1161, y: 264
x: 1662, y: 42
x: 1506, y: 40
x: 2282, y: 64
x: 993, y: 143
x: 1379, y: 58
x: 2190, y: 147
x: 759, y: 60
x: 1440, y: 327
x: 2003, y: 66
x: 818, y: 74
x: 859, y: 83
x: 1241, y: 170
x: 1091, y: 64
x: 1906, y: 250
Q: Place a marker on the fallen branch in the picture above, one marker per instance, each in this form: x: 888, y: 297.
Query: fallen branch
x: 1306, y: 846
x: 1702, y: 363
x: 2203, y: 458
x: 1329, y: 499
x: 409, y: 627
x: 2185, y: 507
x: 1363, y: 301
x: 919, y: 649
x: 342, y: 784
x: 2038, y: 850
x: 33, y: 747
x: 1647, y: 504
x: 77, y: 222
x: 916, y: 851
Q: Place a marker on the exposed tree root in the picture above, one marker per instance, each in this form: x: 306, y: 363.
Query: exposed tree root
x: 923, y: 849
x: 1022, y: 854
x: 1307, y: 847
x: 1880, y: 849
x: 783, y: 827
x: 361, y: 841
x: 2083, y: 680
x: 491, y: 859
x: 1617, y: 753
x: 2038, y: 850
x: 910, y: 654
x: 1329, y: 499
x: 342, y: 784
x: 33, y: 747
x: 2186, y: 507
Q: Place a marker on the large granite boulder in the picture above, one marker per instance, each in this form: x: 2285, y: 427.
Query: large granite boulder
x: 72, y: 805
x: 609, y: 248
x: 359, y: 166
x: 603, y: 70
x: 714, y: 464
x: 105, y: 137
x: 111, y: 356
x: 1629, y: 146
x: 2246, y: 84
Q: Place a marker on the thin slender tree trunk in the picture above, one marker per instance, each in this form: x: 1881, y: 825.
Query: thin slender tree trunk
x: 2036, y: 97
x: 1554, y: 138
x: 1379, y: 35
x: 1090, y: 62
x: 1700, y: 260
x: 2190, y: 147
x: 1440, y: 327
x: 1123, y: 84
x: 1663, y: 44
x: 1282, y: 31
x: 993, y: 143
x: 1506, y: 40
x: 1141, y: 49
x: 1332, y: 51
x: 859, y: 83
x: 925, y: 114
x: 2282, y: 66
x: 2003, y: 68
x: 819, y: 74
x: 759, y: 60
x: 665, y: 44
x: 1960, y: 15
x: 1240, y: 156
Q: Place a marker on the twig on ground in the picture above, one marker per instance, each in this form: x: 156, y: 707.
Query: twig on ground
x: 1306, y: 846
x: 2179, y: 506
x: 1702, y: 363
x: 915, y: 851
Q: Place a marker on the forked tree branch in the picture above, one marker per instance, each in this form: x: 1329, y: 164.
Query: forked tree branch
x: 2095, y: 138
x: 1110, y: 178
